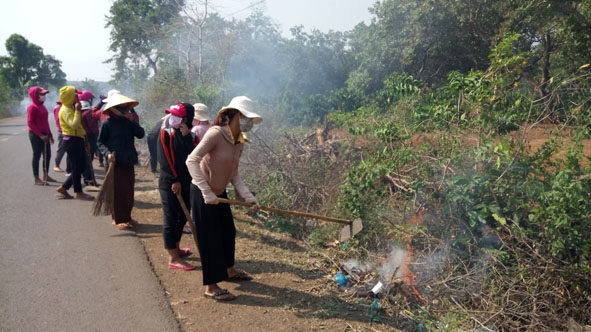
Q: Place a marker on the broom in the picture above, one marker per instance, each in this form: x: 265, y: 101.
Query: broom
x: 103, y: 204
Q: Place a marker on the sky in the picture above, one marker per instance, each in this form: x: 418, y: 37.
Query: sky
x: 81, y: 40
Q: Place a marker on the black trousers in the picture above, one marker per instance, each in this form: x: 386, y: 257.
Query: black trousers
x: 38, y: 146
x: 216, y: 234
x: 89, y: 156
x: 174, y: 217
x: 152, y: 141
x: 74, y: 147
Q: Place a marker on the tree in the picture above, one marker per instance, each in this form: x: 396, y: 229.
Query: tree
x: 555, y: 36
x: 26, y: 65
x: 425, y: 39
x: 137, y: 29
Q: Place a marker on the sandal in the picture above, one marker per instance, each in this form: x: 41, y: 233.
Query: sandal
x: 50, y: 179
x: 122, y: 225
x: 240, y: 275
x: 63, y: 193
x: 184, y: 252
x: 41, y: 183
x: 84, y: 197
x: 179, y: 267
x: 221, y: 295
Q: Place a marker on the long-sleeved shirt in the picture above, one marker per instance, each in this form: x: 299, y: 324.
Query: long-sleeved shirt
x: 91, y: 119
x: 173, y: 149
x: 70, y: 119
x: 37, y: 115
x: 214, y: 163
x: 117, y: 135
x: 199, y: 128
x: 56, y: 116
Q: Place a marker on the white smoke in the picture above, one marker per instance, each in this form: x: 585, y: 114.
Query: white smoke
x: 394, y: 265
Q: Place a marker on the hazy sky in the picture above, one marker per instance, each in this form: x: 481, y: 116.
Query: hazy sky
x: 74, y: 31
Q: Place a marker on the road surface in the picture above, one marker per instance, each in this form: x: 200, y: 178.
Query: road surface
x: 62, y: 269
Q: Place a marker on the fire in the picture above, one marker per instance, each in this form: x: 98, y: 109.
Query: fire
x: 409, y: 278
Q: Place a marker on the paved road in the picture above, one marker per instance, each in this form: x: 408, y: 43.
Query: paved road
x: 62, y: 269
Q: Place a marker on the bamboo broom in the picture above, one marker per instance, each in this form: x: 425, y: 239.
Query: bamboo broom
x: 103, y: 204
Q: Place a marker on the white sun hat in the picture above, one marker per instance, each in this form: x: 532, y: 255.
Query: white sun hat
x: 201, y: 112
x: 245, y: 105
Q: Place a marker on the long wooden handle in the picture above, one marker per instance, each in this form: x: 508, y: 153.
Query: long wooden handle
x: 293, y: 213
x: 189, y: 220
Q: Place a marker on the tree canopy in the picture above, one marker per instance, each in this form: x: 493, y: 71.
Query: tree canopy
x: 27, y: 65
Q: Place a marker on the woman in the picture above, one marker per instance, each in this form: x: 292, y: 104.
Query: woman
x: 39, y: 133
x: 201, y: 120
x: 174, y: 145
x: 213, y: 164
x: 73, y: 133
x: 116, y: 142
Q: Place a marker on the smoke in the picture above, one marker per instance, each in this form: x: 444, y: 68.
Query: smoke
x: 393, y: 267
x: 21, y: 107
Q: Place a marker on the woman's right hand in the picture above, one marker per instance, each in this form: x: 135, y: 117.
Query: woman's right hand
x: 184, y: 129
x: 211, y: 199
x: 176, y: 188
x: 111, y: 158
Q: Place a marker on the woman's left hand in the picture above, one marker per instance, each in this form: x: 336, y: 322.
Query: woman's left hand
x: 253, y: 202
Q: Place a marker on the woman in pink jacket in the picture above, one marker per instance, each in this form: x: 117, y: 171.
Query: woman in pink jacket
x: 213, y: 164
x: 39, y: 133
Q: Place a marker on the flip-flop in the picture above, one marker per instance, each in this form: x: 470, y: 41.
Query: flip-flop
x: 189, y: 267
x: 184, y: 252
x: 122, y: 225
x: 62, y: 193
x: 41, y: 184
x: 85, y: 197
x: 221, y: 295
x: 62, y: 196
x: 240, y: 276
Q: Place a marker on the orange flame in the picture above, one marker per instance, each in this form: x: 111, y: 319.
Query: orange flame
x: 408, y: 277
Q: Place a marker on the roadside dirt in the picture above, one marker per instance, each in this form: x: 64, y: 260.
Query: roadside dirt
x: 293, y: 288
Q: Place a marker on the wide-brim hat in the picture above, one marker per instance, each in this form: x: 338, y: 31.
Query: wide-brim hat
x: 201, y: 112
x: 245, y: 106
x: 117, y: 99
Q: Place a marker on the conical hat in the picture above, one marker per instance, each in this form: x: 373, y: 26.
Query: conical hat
x: 117, y: 99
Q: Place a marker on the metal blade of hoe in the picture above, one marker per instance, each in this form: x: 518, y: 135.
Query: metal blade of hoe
x: 351, y: 227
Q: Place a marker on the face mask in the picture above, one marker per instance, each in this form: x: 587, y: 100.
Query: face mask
x: 175, y: 121
x: 42, y: 98
x: 246, y: 124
